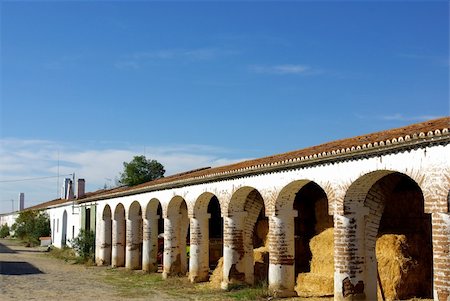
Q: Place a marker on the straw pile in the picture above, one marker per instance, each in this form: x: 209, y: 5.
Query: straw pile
x: 216, y: 277
x: 314, y: 285
x: 320, y: 281
x: 401, y: 275
x: 260, y: 264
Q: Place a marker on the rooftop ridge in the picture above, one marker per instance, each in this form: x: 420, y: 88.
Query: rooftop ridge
x: 348, y: 146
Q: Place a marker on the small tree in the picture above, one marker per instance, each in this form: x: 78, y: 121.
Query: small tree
x: 4, y: 231
x: 30, y: 225
x: 84, y: 244
x: 141, y: 170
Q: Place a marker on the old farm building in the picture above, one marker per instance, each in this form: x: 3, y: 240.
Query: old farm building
x: 334, y: 213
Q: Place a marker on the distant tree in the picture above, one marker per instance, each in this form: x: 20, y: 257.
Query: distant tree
x: 30, y: 225
x: 4, y: 231
x: 140, y: 170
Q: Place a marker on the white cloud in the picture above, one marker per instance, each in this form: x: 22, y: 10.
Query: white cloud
x: 433, y: 59
x: 285, y: 69
x: 137, y: 59
x: 401, y: 117
x: 24, y: 159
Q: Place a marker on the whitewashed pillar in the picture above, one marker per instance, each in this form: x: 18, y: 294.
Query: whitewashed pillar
x: 199, y: 250
x: 104, y: 242
x: 171, y: 258
x: 233, y: 249
x: 133, y: 244
x: 118, y: 243
x: 282, y: 253
x: 349, y: 255
x: 150, y: 244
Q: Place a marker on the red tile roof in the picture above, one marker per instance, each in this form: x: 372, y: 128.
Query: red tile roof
x: 415, y: 132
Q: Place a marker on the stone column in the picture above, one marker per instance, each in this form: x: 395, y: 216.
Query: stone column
x: 171, y: 258
x: 118, y: 243
x: 133, y: 243
x: 349, y: 255
x: 150, y: 244
x: 233, y: 249
x: 441, y: 256
x: 282, y: 253
x: 104, y: 243
x: 199, y: 250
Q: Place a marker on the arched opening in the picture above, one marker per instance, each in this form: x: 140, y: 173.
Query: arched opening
x: 405, y: 229
x: 246, y: 256
x: 206, y: 238
x: 118, y: 237
x: 396, y: 243
x: 133, y: 258
x: 303, y: 225
x: 215, y: 226
x: 311, y: 204
x: 64, y: 230
x: 153, y: 233
x: 176, y: 238
x: 106, y: 237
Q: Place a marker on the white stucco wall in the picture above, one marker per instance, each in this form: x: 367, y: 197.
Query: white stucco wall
x: 56, y: 215
x: 334, y: 178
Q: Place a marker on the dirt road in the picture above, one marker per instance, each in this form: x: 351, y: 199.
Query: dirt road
x: 28, y: 274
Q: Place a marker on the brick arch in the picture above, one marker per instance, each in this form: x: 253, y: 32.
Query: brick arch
x: 106, y: 215
x: 119, y: 212
x: 202, y: 202
x: 359, y: 188
x: 174, y: 206
x: 151, y: 209
x: 135, y: 210
x: 243, y: 211
x: 365, y: 204
x: 285, y: 198
x: 238, y: 198
x: 249, y: 200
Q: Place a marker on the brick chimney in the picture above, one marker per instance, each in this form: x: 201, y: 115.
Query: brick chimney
x: 81, y: 188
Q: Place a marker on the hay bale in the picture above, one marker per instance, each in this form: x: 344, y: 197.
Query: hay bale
x: 260, y: 264
x: 314, y: 285
x: 322, y: 249
x: 260, y: 254
x: 216, y: 277
x: 401, y: 275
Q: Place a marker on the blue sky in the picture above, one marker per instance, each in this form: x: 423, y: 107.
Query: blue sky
x: 195, y: 84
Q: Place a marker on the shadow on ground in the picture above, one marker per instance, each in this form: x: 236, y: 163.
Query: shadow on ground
x: 18, y: 268
x: 5, y: 249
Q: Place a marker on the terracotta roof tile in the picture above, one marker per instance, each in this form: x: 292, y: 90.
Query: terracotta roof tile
x: 349, y: 143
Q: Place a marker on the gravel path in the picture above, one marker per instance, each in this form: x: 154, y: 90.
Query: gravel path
x: 28, y: 274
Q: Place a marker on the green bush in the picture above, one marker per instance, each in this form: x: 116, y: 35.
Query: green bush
x: 30, y: 225
x: 4, y: 231
x: 84, y: 244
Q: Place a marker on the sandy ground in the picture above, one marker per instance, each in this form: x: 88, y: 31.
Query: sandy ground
x: 27, y: 274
